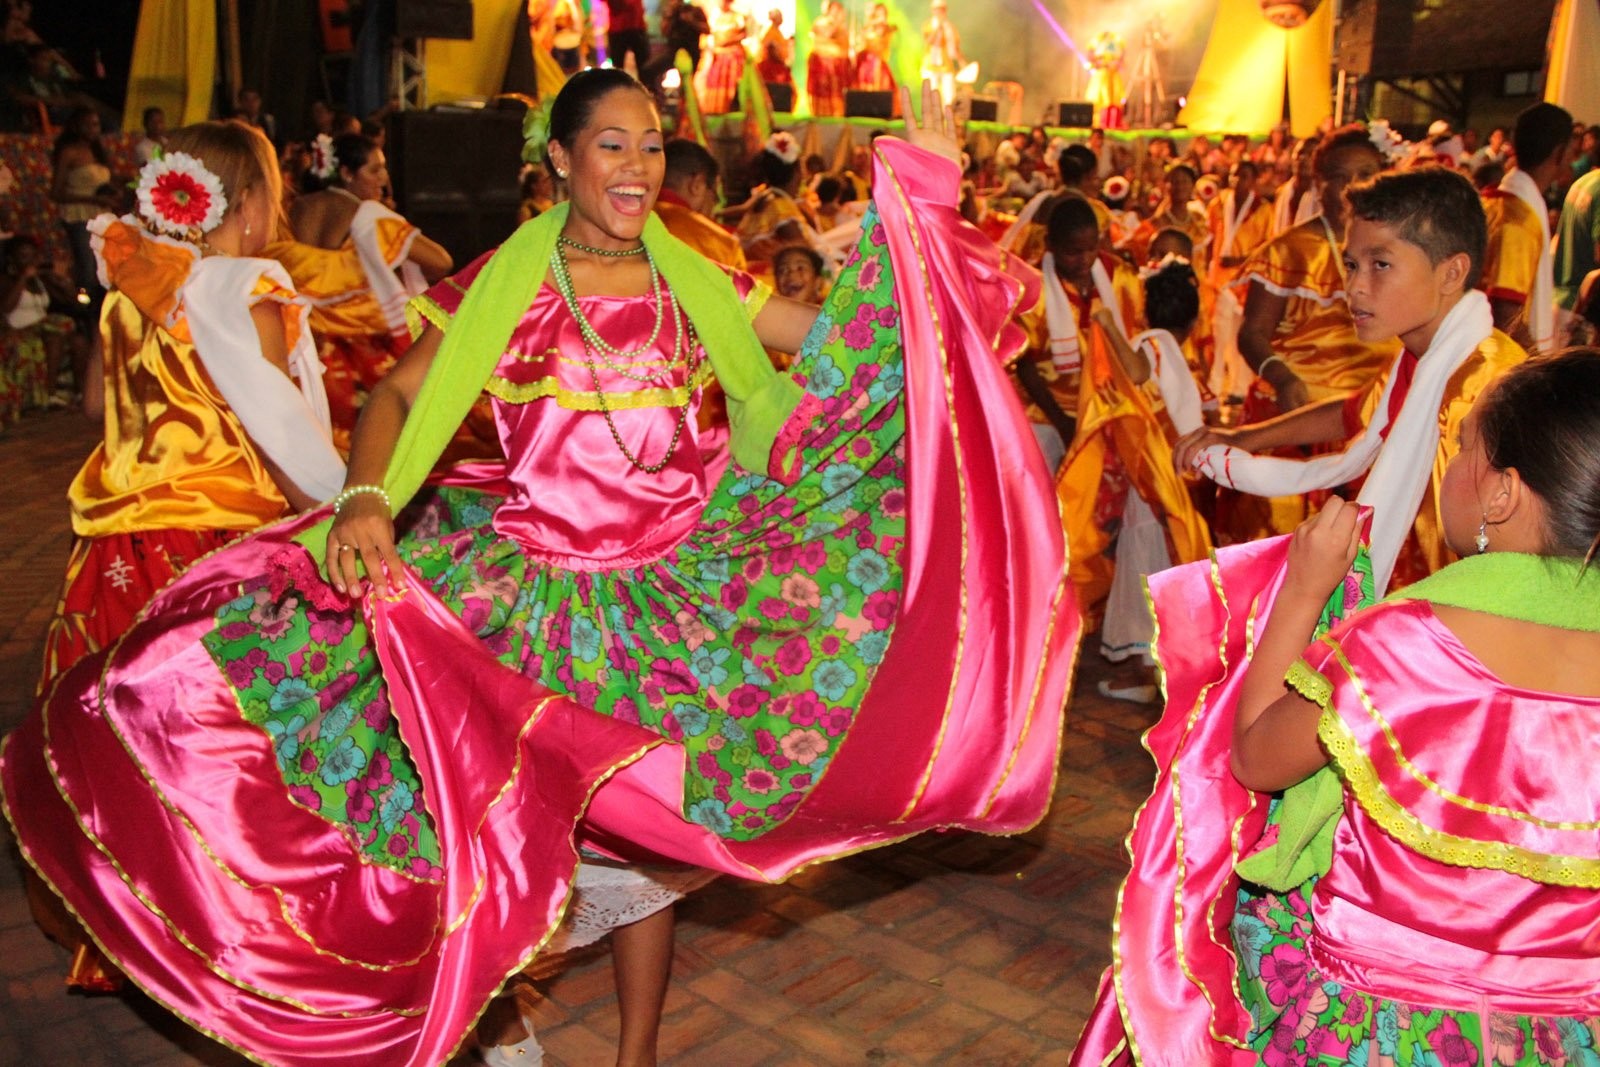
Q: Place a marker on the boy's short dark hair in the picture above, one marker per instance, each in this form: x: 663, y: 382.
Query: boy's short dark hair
x: 1076, y: 163
x: 150, y: 113
x: 1542, y: 131
x: 1070, y: 213
x: 1173, y: 235
x: 685, y: 159
x: 1434, y: 208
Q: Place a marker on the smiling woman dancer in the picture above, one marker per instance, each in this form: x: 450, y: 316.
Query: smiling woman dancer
x: 352, y: 807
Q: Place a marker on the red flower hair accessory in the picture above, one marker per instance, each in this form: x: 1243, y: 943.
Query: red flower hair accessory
x: 179, y: 196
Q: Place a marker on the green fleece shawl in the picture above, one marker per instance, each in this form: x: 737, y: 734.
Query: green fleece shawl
x: 760, y: 400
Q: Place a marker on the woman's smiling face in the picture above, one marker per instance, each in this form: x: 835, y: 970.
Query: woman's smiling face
x: 614, y: 169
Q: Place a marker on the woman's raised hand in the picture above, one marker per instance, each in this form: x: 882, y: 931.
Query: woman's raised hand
x: 1322, y: 550
x: 935, y: 131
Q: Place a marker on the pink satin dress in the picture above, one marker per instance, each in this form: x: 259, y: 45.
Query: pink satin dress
x: 326, y: 831
x: 1457, y: 923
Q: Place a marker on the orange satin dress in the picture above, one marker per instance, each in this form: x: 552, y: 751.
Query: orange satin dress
x: 354, y: 340
x: 174, y: 478
x: 175, y: 475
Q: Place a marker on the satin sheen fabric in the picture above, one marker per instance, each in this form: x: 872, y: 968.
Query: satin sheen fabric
x: 1496, y: 779
x: 142, y: 795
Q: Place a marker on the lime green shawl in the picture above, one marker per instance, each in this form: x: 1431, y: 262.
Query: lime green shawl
x: 760, y: 400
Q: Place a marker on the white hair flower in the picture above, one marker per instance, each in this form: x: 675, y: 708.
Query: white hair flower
x: 323, y: 163
x: 783, y: 145
x: 1388, y: 143
x: 178, y: 195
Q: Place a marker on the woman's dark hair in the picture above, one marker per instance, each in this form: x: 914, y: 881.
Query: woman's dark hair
x: 811, y: 255
x: 1543, y: 418
x: 1183, y: 168
x: 1172, y: 298
x: 1355, y: 136
x: 828, y: 189
x: 1075, y: 163
x: 577, y: 100
x: 769, y: 169
x: 13, y: 246
x: 351, y: 151
x: 71, y: 134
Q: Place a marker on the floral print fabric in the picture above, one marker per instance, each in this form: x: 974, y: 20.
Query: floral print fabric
x: 1325, y: 1024
x: 751, y: 643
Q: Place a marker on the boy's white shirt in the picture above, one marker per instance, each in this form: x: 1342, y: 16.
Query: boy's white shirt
x: 1401, y: 462
x: 1542, y: 301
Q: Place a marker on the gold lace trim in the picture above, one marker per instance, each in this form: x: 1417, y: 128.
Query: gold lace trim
x: 1309, y: 683
x: 1434, y: 787
x: 1362, y: 780
x: 587, y: 400
x: 755, y: 300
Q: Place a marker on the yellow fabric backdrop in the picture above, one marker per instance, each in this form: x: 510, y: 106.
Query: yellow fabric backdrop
x: 1239, y: 87
x: 476, y: 68
x: 1573, y: 78
x: 174, y: 62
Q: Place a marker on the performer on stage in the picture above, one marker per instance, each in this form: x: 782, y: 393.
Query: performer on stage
x: 729, y: 28
x: 873, y: 71
x: 1106, y: 89
x: 941, y: 58
x: 568, y: 31
x: 777, y: 52
x: 829, y: 71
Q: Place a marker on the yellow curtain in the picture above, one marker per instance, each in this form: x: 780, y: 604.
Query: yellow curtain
x: 477, y: 68
x: 174, y: 62
x: 1239, y: 87
x: 1572, y: 79
x: 1310, y: 55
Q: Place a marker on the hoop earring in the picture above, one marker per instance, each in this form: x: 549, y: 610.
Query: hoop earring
x: 1482, y: 540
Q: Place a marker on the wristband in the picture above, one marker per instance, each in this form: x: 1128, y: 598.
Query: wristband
x: 1261, y: 371
x: 351, y: 492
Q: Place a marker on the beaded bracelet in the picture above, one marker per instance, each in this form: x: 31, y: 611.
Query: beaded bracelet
x: 1261, y: 371
x: 354, y: 491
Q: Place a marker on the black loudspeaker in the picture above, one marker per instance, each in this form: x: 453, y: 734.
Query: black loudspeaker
x: 869, y: 103
x: 983, y: 109
x: 782, y: 94
x: 1075, y: 114
x: 455, y: 175
x: 441, y: 20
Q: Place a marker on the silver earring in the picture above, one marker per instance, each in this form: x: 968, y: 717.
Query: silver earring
x: 1482, y: 540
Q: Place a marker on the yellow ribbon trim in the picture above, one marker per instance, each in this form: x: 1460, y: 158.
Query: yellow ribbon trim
x: 1362, y: 779
x: 1309, y: 683
x: 1434, y: 787
x: 588, y: 400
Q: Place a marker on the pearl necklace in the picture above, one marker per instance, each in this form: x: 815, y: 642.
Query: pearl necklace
x: 682, y: 354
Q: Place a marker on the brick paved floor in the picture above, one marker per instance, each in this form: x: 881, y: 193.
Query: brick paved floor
x: 949, y: 949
